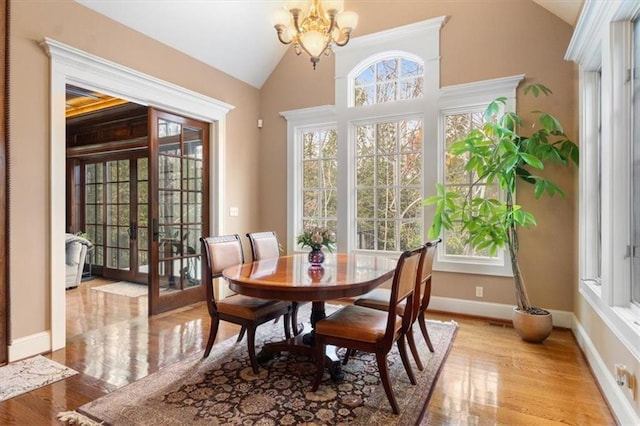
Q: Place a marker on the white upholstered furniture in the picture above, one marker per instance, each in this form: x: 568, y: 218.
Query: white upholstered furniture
x: 75, y: 252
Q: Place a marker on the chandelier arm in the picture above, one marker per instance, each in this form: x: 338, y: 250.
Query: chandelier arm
x: 280, y: 30
x: 295, y: 13
x: 332, y: 23
x: 347, y: 37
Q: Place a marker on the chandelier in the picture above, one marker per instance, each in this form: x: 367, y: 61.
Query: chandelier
x: 314, y: 28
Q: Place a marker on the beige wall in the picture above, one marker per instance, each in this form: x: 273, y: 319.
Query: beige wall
x: 481, y: 40
x: 73, y: 24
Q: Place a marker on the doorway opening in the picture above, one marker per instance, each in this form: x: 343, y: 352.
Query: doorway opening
x: 73, y: 66
x: 138, y: 194
x: 106, y: 209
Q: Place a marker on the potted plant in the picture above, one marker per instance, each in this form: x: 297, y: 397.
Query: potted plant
x: 500, y: 153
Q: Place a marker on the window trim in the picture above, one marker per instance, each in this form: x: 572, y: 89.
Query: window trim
x: 472, y: 97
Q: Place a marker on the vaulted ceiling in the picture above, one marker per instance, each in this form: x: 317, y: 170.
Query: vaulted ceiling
x: 234, y: 36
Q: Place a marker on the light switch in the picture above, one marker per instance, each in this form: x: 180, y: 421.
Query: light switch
x: 233, y: 211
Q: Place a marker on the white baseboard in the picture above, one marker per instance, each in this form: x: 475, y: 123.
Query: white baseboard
x: 491, y: 310
x: 28, y: 346
x: 613, y: 393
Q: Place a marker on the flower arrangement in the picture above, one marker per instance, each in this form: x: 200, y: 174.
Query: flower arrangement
x: 317, y: 238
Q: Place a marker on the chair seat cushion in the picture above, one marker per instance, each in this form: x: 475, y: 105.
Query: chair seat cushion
x: 356, y: 323
x: 379, y: 299
x: 249, y: 307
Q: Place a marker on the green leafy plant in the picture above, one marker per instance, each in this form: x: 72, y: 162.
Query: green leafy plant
x: 84, y: 235
x: 499, y: 153
x: 317, y: 238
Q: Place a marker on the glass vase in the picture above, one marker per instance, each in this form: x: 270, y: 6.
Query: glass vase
x: 316, y: 256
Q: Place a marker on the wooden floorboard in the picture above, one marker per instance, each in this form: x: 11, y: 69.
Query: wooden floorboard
x: 490, y: 377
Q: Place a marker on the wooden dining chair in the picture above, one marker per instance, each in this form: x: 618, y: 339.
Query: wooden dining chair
x: 379, y: 299
x: 265, y: 245
x: 425, y: 297
x: 248, y: 312
x: 371, y: 330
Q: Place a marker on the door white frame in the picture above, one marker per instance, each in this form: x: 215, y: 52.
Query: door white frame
x: 72, y: 66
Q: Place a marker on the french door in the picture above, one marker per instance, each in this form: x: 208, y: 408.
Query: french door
x: 116, y: 216
x: 147, y: 209
x: 178, y: 209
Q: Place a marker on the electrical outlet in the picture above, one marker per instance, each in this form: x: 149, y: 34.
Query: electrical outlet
x: 479, y: 291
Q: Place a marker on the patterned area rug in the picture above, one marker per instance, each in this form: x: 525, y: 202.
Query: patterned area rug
x: 124, y: 288
x: 29, y: 374
x: 222, y: 389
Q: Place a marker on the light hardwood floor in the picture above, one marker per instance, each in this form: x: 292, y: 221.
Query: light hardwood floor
x: 490, y: 377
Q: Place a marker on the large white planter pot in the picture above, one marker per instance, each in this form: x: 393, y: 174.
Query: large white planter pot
x: 532, y: 328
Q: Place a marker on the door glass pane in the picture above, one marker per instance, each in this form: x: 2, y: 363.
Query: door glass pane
x: 143, y: 215
x: 169, y: 135
x: 192, y: 142
x: 180, y: 198
x: 94, y: 206
x: 118, y: 218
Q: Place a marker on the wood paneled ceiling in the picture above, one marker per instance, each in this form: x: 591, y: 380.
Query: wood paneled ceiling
x: 82, y: 101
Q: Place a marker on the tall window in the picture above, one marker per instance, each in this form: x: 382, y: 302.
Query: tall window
x: 456, y: 126
x: 319, y: 178
x: 312, y: 184
x: 462, y: 110
x: 389, y: 185
x: 606, y: 46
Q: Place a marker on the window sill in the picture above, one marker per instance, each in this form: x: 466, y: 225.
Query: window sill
x: 473, y: 267
x: 624, y: 321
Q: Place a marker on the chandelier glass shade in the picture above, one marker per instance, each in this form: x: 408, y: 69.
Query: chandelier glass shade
x: 314, y: 26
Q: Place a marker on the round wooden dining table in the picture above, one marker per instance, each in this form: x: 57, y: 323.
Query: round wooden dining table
x: 293, y: 278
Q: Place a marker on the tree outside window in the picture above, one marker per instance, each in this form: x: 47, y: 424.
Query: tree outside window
x: 456, y: 179
x: 319, y: 178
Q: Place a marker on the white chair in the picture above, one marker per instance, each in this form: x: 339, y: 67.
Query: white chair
x: 75, y: 253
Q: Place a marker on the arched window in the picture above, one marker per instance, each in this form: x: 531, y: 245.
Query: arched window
x: 388, y: 80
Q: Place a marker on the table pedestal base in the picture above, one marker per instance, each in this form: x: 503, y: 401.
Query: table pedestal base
x: 298, y: 344
x: 303, y: 343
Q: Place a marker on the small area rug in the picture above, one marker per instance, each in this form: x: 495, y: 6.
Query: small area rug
x: 124, y: 288
x: 222, y: 389
x: 29, y: 374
